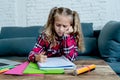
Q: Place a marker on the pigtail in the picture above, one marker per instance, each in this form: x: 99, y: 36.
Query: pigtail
x: 78, y: 31
x: 49, y: 24
x: 51, y: 15
x: 49, y: 29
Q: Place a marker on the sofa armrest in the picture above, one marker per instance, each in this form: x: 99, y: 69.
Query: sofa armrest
x: 96, y: 33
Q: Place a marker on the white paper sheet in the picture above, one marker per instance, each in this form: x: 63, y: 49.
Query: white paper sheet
x: 57, y: 62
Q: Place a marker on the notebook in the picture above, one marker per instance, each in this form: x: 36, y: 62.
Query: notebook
x: 33, y: 68
x: 18, y: 70
x: 57, y: 62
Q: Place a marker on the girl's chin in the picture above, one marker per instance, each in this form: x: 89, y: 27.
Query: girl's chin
x: 60, y: 35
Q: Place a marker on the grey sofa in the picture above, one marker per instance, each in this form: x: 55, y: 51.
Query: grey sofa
x: 17, y: 42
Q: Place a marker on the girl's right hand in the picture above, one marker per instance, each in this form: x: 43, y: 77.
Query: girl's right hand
x: 41, y: 57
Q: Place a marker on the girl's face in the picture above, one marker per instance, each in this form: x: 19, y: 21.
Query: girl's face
x: 62, y: 24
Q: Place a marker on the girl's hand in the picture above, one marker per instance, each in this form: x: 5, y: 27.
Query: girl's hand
x: 41, y: 57
x: 69, y: 30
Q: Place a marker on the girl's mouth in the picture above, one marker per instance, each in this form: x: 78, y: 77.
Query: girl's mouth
x: 60, y: 33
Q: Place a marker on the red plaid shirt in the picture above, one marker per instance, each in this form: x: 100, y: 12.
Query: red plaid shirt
x: 65, y: 46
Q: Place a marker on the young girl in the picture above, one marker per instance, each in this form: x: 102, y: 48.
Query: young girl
x: 62, y: 36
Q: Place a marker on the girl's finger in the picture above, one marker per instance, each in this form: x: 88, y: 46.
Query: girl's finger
x: 43, y: 53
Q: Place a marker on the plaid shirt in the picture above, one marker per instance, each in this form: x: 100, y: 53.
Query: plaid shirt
x: 65, y: 46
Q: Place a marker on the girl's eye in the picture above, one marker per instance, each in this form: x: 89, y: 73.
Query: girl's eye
x: 58, y: 25
x: 65, y: 26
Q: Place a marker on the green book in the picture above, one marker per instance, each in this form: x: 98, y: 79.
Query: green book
x: 33, y: 68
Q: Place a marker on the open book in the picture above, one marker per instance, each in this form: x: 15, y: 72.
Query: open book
x: 57, y: 62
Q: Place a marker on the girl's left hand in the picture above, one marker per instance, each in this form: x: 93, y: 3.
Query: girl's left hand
x: 69, y: 30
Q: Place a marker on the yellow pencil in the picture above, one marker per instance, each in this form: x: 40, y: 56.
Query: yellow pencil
x: 84, y: 69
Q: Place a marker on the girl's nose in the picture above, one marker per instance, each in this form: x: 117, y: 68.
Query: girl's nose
x: 61, y: 28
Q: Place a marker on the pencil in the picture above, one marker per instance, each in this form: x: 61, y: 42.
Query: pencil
x: 84, y: 69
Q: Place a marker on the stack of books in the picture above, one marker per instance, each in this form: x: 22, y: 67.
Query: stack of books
x: 53, y: 65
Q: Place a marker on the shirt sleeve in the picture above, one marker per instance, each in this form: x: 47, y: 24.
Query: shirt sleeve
x: 38, y: 48
x: 70, y: 48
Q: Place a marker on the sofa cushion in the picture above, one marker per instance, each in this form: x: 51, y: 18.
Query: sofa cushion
x: 16, y: 46
x: 90, y: 47
x: 14, y: 32
x: 87, y: 29
x: 109, y: 41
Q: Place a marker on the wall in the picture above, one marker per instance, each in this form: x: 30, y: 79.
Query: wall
x: 35, y: 12
x: 7, y: 9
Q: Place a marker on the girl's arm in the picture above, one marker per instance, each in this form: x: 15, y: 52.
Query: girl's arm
x: 70, y: 47
x: 38, y: 48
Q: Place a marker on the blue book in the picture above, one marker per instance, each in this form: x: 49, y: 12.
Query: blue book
x: 57, y: 62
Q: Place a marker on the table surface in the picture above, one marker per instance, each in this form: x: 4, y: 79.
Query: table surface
x: 102, y: 72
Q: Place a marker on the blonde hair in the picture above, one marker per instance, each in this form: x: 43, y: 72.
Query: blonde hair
x: 50, y: 31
